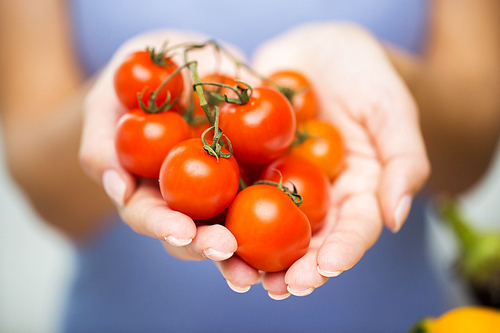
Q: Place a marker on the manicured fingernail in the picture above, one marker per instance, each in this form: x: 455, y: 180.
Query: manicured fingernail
x: 401, y: 212
x: 300, y: 292
x: 278, y: 297
x: 237, y: 289
x: 328, y: 273
x: 216, y: 255
x: 177, y: 242
x: 114, y: 186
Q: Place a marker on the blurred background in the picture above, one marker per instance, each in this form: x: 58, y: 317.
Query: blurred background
x: 36, y: 264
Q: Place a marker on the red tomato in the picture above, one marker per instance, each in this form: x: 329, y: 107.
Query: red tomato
x: 194, y: 183
x: 271, y: 231
x: 197, y: 130
x: 303, y: 95
x: 260, y: 130
x: 310, y: 181
x: 324, y: 146
x: 144, y: 139
x: 139, y: 73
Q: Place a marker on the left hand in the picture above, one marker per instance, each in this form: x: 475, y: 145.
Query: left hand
x: 385, y: 158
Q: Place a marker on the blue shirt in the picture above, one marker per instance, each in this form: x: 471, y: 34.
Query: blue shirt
x: 128, y: 283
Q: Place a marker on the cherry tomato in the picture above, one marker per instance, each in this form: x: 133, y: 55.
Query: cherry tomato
x: 195, y: 183
x: 260, y: 130
x: 143, y: 72
x: 302, y: 93
x: 143, y: 140
x: 271, y: 231
x: 323, y: 147
x: 310, y: 181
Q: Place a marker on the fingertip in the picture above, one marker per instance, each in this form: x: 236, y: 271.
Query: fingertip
x: 300, y: 292
x: 326, y: 273
x: 278, y: 297
x: 238, y: 273
x: 396, y: 196
x: 174, y: 227
x: 238, y: 289
x: 177, y: 242
x: 216, y: 255
x: 302, y: 278
x: 216, y: 242
x: 401, y: 212
x: 114, y: 186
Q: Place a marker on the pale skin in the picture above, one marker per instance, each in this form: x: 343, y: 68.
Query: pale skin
x: 386, y: 162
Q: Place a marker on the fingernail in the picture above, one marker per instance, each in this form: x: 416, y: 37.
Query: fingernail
x: 328, y: 273
x: 300, y: 292
x: 401, y: 212
x: 237, y: 289
x: 278, y: 297
x: 177, y: 242
x: 216, y: 255
x: 114, y: 186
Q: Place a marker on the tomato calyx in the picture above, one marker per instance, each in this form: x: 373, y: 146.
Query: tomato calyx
x: 159, y: 58
x: 301, y: 136
x: 168, y: 104
x: 294, y: 195
x: 289, y: 93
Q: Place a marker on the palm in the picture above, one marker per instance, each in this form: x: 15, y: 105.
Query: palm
x: 385, y: 162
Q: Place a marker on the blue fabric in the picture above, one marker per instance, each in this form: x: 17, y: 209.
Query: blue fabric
x: 128, y: 283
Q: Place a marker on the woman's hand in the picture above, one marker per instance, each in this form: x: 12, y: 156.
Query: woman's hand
x: 385, y: 159
x: 139, y: 202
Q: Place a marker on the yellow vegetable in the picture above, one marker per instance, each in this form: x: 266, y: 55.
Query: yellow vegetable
x: 470, y: 319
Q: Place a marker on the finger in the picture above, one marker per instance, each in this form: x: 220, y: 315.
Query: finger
x: 402, y: 151
x: 147, y: 213
x: 358, y: 226
x: 212, y: 242
x: 238, y: 274
x: 97, y: 153
x: 302, y: 278
x: 275, y: 285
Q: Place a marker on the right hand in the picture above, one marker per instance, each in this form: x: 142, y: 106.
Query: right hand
x: 139, y: 201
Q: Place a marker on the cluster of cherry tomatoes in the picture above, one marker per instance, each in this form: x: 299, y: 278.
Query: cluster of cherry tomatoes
x: 255, y: 159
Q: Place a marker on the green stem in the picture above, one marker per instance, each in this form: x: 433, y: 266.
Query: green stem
x: 242, y: 93
x: 215, y: 149
x: 159, y: 58
x: 199, y: 91
x: 296, y: 197
x: 152, y: 108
